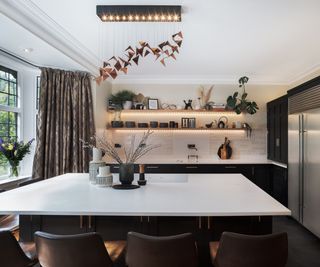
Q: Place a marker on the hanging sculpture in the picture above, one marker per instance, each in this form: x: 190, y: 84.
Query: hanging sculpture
x: 163, y: 51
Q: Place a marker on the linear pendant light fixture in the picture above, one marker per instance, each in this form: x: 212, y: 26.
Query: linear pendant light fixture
x: 139, y: 13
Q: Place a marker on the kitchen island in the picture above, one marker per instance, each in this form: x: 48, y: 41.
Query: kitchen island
x: 164, y: 195
x: 204, y: 204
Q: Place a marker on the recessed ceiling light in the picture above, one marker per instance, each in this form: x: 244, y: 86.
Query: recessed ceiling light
x: 27, y: 50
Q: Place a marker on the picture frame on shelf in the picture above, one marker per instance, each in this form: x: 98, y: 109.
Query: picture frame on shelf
x: 153, y: 103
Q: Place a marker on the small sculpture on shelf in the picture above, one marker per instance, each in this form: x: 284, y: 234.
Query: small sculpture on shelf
x: 188, y: 105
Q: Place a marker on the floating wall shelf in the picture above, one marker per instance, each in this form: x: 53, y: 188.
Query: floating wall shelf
x: 177, y: 129
x: 177, y: 112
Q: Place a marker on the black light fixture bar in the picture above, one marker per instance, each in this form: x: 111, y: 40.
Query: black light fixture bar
x: 139, y: 13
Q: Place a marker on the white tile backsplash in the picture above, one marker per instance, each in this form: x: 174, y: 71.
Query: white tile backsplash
x: 173, y: 145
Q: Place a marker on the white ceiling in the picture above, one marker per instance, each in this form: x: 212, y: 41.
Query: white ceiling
x: 15, y: 39
x: 271, y: 41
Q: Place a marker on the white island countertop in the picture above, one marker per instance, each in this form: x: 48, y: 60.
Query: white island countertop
x: 164, y: 195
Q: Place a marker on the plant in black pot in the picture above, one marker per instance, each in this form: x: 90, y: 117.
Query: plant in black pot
x: 123, y: 99
x: 240, y: 103
x: 133, y: 152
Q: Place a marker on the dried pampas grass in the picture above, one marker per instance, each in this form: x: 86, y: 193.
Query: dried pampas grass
x: 203, y: 95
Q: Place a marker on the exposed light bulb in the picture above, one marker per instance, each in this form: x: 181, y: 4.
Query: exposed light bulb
x: 156, y: 17
x: 130, y: 17
x: 124, y: 17
x: 111, y: 17
x: 143, y: 18
x: 149, y: 17
x: 104, y: 17
x: 169, y: 17
x: 117, y: 18
x: 137, y: 18
x: 176, y: 17
x: 163, y: 17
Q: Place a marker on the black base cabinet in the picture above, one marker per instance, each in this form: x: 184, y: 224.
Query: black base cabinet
x: 280, y: 184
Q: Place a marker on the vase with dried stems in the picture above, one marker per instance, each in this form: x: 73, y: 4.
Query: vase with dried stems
x: 132, y: 153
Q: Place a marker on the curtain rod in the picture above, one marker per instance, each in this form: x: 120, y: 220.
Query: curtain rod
x: 19, y: 58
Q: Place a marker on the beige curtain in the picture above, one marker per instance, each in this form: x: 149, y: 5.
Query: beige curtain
x: 65, y: 116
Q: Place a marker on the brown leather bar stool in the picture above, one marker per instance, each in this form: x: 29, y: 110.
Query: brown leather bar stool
x: 170, y: 251
x: 237, y: 250
x: 81, y: 250
x: 11, y: 254
x: 9, y: 222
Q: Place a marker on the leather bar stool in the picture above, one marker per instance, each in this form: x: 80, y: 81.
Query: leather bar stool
x: 9, y: 222
x: 81, y: 250
x: 237, y: 250
x: 11, y: 254
x: 170, y: 251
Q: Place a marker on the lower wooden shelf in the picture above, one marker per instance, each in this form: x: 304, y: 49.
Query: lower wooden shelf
x: 176, y: 129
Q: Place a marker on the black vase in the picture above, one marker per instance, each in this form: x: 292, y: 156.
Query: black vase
x: 126, y: 173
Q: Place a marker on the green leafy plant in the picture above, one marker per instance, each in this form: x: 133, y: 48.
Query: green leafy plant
x: 122, y: 96
x: 240, y: 103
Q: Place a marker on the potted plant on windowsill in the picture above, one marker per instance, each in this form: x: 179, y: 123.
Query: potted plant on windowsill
x: 14, y: 152
x: 240, y: 103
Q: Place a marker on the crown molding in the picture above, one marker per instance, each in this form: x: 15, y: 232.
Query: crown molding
x: 31, y: 17
x: 309, y: 74
x: 149, y: 79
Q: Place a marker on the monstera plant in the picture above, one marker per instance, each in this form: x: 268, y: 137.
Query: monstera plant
x: 239, y: 103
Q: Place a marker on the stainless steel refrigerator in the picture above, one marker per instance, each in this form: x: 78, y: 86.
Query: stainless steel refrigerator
x: 304, y: 163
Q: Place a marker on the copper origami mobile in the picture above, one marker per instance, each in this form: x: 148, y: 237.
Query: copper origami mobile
x: 162, y: 52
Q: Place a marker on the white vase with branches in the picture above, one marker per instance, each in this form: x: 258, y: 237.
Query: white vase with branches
x: 132, y: 153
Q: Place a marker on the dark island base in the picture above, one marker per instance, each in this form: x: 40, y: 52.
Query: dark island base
x: 205, y: 229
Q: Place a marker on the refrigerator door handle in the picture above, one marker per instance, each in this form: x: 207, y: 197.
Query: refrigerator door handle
x: 301, y: 166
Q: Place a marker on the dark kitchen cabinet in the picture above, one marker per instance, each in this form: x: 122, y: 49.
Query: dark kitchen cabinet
x: 261, y: 177
x: 277, y: 124
x: 62, y: 225
x: 280, y: 184
x: 117, y: 227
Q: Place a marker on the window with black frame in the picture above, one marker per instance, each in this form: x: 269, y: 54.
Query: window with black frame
x: 9, y: 109
x: 8, y: 103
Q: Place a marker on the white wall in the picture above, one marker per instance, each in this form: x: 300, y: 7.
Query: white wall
x: 100, y: 95
x: 174, y: 145
x: 27, y: 103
